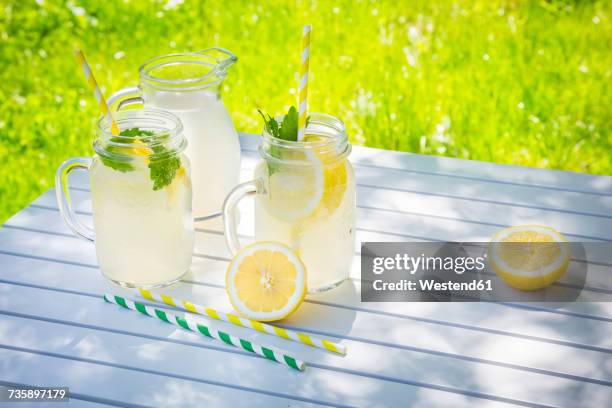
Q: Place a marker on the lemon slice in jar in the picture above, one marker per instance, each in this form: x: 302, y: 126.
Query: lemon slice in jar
x: 313, y: 185
x: 266, y: 281
x: 295, y: 190
x: 335, y: 176
x: 529, y: 257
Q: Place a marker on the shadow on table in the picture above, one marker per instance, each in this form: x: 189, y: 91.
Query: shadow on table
x: 328, y: 312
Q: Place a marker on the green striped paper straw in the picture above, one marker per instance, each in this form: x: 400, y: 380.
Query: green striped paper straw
x: 287, y: 334
x: 267, y: 352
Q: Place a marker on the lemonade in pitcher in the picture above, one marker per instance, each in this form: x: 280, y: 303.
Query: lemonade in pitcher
x: 188, y: 85
x: 305, y: 198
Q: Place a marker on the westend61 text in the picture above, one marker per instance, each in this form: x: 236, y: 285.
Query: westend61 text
x: 430, y: 285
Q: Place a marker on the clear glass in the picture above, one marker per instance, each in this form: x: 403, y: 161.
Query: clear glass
x: 188, y: 85
x: 144, y: 235
x: 305, y: 198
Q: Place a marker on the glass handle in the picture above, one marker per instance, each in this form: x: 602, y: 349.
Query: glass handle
x: 229, y: 211
x: 64, y: 201
x: 124, y: 97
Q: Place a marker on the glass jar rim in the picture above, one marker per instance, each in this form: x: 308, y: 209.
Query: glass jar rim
x: 215, y: 60
x: 334, y: 142
x: 167, y: 128
x: 314, y: 118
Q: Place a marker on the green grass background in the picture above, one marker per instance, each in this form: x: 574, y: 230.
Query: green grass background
x: 521, y: 82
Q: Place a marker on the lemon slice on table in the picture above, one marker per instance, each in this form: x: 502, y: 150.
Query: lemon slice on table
x: 266, y: 281
x: 529, y: 257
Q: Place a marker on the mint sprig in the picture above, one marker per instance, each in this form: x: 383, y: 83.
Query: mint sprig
x: 286, y: 130
x: 162, y: 166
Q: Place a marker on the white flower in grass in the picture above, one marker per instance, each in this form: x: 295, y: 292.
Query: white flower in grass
x: 410, y: 57
x: 173, y: 4
x: 413, y: 32
x: 364, y: 103
x: 78, y: 11
x: 441, y: 130
x: 422, y: 142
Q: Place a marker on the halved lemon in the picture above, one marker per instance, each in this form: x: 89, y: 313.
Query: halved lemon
x: 529, y: 257
x: 266, y: 281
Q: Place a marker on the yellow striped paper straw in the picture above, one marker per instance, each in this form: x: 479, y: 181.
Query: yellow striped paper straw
x: 268, y: 352
x: 303, y: 89
x: 93, y: 85
x: 243, y: 322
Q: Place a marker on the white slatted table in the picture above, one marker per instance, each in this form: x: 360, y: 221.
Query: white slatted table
x: 56, y: 330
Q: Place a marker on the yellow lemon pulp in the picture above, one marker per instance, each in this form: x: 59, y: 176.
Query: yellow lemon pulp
x: 173, y: 188
x: 335, y: 176
x: 140, y: 149
x: 295, y: 192
x: 529, y: 257
x: 266, y: 281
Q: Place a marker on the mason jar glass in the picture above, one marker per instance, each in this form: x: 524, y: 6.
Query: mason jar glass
x: 141, y: 199
x: 305, y: 198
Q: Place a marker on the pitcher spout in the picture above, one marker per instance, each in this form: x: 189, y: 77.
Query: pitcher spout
x: 222, y: 58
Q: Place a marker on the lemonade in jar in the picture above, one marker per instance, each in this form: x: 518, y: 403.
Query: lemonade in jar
x: 141, y: 199
x: 305, y: 198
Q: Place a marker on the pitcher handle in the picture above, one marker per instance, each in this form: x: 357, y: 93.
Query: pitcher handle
x: 64, y: 201
x: 229, y: 211
x: 131, y: 95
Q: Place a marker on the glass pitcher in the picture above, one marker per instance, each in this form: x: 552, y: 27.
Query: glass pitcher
x: 188, y: 85
x: 141, y: 200
x: 305, y: 198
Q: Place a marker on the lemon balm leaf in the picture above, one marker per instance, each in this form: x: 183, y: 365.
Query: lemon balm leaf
x: 287, y: 130
x: 135, y: 132
x: 289, y: 126
x: 270, y: 124
x: 162, y: 171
